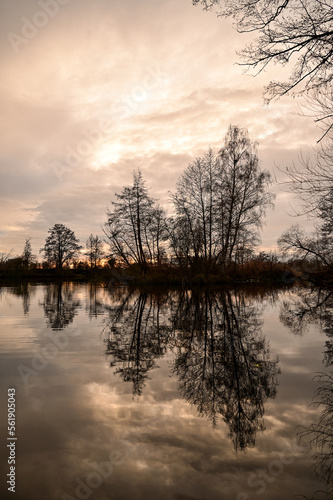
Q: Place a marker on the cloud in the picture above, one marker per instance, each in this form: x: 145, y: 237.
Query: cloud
x: 106, y: 87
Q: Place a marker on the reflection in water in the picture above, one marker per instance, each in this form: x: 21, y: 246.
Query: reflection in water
x: 75, y: 411
x: 93, y: 307
x: 137, y: 334
x: 311, y: 307
x: 321, y: 433
x: 60, y: 304
x: 316, y: 307
x: 224, y: 365
x: 222, y: 360
x: 26, y: 291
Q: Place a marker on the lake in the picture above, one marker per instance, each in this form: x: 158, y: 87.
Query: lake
x: 184, y: 395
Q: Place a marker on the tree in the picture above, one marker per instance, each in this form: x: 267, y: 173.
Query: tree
x: 220, y: 203
x: 4, y: 257
x: 28, y: 258
x: 243, y: 190
x: 61, y: 246
x: 195, y: 203
x: 318, y: 245
x: 287, y: 29
x: 312, y: 180
x: 95, y: 250
x: 135, y: 229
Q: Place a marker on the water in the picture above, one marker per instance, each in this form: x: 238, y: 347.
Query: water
x: 168, y: 395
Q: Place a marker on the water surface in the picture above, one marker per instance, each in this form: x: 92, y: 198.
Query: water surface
x: 181, y: 395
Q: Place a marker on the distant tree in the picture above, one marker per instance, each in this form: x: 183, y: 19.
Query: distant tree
x: 95, y: 250
x: 180, y: 241
x: 61, y: 246
x: 4, y: 257
x: 135, y: 227
x: 28, y: 258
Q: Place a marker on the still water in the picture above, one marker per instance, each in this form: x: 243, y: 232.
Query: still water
x: 170, y: 395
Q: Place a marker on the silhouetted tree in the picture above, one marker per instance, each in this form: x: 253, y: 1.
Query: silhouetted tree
x: 243, y: 191
x: 95, y: 250
x: 220, y: 203
x: 28, y: 258
x: 195, y: 203
x: 286, y: 28
x: 320, y: 244
x: 135, y: 228
x: 317, y: 246
x: 61, y: 246
x: 4, y: 257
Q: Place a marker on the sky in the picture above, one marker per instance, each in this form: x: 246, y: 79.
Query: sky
x: 91, y: 90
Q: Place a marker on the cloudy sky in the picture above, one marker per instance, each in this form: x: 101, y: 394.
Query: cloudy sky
x: 91, y: 90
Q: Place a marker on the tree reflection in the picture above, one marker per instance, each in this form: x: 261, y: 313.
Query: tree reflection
x: 136, y: 336
x: 60, y: 304
x: 222, y: 360
x: 315, y: 307
x: 311, y: 307
x: 223, y: 364
x: 321, y: 433
x: 25, y: 291
x: 94, y: 307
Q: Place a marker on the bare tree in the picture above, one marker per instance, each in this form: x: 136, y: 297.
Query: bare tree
x: 287, y: 29
x: 61, y: 246
x: 28, y: 258
x: 243, y: 189
x: 4, y: 257
x: 95, y: 250
x: 135, y: 228
x: 302, y: 245
x: 220, y: 202
x: 195, y: 203
x: 312, y: 179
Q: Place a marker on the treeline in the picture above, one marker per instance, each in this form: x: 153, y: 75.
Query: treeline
x: 219, y: 205
x: 218, y: 210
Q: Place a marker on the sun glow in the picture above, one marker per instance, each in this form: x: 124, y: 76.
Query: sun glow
x: 107, y: 154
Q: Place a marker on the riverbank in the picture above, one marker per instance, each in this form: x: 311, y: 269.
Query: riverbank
x: 266, y: 274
